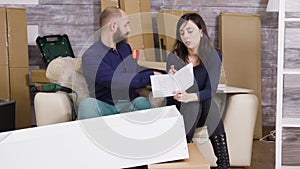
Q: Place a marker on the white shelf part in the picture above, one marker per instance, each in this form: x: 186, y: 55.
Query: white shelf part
x: 280, y: 66
x: 291, y: 71
x: 290, y: 122
x: 290, y: 167
x: 284, y: 6
x: 292, y: 19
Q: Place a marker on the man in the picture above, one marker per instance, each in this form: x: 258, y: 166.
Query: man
x: 110, y: 71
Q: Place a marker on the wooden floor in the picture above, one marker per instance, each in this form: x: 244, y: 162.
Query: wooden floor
x: 263, y: 155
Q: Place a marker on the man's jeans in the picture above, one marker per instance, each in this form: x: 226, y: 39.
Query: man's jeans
x: 91, y: 107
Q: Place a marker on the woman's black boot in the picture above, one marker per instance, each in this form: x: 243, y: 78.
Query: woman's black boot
x: 219, y: 145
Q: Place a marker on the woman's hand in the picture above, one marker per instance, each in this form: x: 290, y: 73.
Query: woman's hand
x: 172, y: 70
x: 185, y: 97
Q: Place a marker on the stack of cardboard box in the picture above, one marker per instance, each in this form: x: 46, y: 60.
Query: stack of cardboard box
x: 14, y: 83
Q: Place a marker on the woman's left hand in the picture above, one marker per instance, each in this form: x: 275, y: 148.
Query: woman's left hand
x: 185, y: 97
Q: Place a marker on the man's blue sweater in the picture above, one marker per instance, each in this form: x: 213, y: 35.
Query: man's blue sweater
x: 112, y: 74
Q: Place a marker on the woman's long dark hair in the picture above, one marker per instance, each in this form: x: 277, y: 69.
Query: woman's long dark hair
x: 179, y: 48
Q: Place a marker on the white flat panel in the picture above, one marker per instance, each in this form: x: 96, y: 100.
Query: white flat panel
x: 272, y: 6
x: 291, y: 71
x: 116, y: 141
x: 222, y: 88
x: 16, y: 2
x: 32, y: 33
x: 290, y: 122
x: 290, y: 167
x: 292, y: 5
x: 292, y: 19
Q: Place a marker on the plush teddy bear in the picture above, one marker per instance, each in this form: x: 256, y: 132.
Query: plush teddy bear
x: 66, y: 71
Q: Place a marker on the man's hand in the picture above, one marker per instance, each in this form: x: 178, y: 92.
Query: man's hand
x: 157, y: 73
x: 185, y: 97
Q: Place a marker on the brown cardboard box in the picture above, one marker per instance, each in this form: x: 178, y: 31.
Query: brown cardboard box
x: 195, y: 161
x: 141, y: 35
x: 241, y: 47
x: 19, y: 89
x: 154, y: 65
x: 4, y: 82
x: 17, y: 38
x: 147, y: 28
x: 166, y: 26
x: 132, y: 8
x: 39, y: 76
x: 3, y: 38
x: 107, y: 3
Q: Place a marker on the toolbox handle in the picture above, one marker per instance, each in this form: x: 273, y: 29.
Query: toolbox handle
x: 52, y: 38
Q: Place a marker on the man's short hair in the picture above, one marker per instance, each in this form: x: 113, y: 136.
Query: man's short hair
x: 109, y: 14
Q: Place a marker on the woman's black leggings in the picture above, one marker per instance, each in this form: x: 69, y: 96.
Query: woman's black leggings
x: 198, y: 114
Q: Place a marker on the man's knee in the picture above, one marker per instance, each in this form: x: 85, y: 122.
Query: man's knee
x: 88, y: 109
x: 141, y: 103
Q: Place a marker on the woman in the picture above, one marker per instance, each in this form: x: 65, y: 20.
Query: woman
x: 196, y: 104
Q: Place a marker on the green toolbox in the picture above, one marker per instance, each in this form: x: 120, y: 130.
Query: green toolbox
x: 53, y: 46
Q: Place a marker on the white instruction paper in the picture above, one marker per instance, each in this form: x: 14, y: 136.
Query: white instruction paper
x: 164, y: 85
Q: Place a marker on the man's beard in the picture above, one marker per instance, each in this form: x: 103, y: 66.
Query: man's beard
x: 119, y: 38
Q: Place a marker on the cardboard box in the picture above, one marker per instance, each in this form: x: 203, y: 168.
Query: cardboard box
x: 195, y: 161
x: 154, y: 65
x: 107, y: 3
x: 3, y: 38
x: 17, y: 37
x: 166, y: 26
x: 242, y: 54
x: 146, y: 17
x: 147, y: 28
x: 39, y: 76
x: 132, y: 8
x: 141, y: 35
x: 19, y: 90
x: 4, y: 83
x: 117, y: 141
x: 149, y: 51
